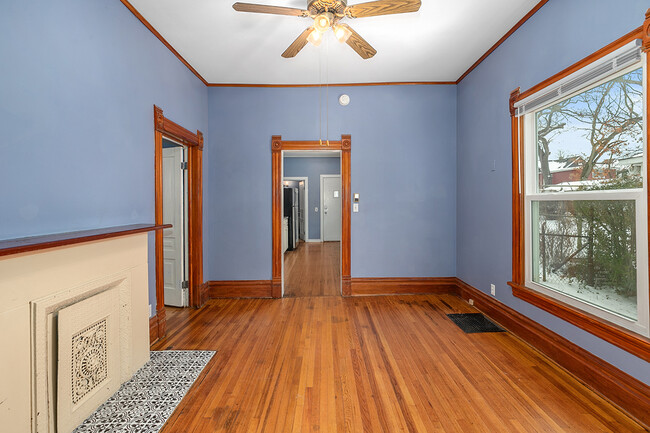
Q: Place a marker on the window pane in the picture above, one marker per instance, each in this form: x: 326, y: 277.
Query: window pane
x: 586, y: 249
x: 593, y: 140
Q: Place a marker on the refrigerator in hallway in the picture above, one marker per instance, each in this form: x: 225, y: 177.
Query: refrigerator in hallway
x: 291, y: 208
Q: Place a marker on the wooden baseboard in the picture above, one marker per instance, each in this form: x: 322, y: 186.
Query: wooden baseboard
x: 240, y: 289
x: 162, y: 322
x: 623, y: 390
x: 203, y: 294
x: 153, y: 329
x: 402, y: 286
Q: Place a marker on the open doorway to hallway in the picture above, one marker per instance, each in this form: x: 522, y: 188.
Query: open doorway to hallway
x: 311, y: 221
x: 174, y: 195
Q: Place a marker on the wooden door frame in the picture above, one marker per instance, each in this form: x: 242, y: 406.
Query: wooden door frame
x: 277, y: 146
x: 164, y: 127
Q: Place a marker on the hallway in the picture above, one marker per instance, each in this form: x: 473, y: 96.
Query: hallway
x: 313, y: 269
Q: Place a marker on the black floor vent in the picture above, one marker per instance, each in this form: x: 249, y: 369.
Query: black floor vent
x: 472, y: 323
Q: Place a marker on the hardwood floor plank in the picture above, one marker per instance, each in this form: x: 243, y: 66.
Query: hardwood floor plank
x: 371, y: 364
x: 313, y: 269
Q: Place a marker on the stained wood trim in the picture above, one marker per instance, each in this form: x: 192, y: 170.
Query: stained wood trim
x: 401, y: 286
x: 153, y: 329
x: 146, y: 23
x: 645, y: 32
x: 618, y: 336
x: 629, y: 394
x: 386, y: 83
x: 173, y: 130
x: 162, y: 323
x: 623, y: 338
x: 240, y: 289
x: 277, y: 146
x: 310, y: 145
x: 517, y: 194
x: 514, y: 28
x: 164, y: 127
x: 204, y: 293
x: 36, y: 243
x: 346, y: 211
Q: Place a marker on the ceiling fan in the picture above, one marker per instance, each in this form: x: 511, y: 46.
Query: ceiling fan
x: 328, y: 14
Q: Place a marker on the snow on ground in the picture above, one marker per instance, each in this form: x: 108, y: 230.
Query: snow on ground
x: 603, y: 297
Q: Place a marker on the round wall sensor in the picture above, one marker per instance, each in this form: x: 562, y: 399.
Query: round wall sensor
x: 344, y: 100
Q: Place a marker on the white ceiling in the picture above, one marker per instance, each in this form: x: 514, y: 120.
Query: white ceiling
x: 437, y: 43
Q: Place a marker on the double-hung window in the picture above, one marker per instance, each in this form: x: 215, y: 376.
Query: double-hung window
x: 581, y: 193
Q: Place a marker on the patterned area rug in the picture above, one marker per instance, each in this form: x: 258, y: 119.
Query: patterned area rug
x: 144, y: 403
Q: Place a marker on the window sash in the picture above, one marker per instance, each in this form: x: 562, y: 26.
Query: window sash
x: 641, y: 325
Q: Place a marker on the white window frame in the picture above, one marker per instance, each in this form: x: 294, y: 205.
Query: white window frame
x: 531, y: 194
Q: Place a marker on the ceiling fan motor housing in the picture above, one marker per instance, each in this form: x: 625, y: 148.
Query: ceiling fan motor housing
x: 336, y: 7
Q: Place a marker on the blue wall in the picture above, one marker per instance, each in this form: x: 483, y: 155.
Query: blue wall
x: 79, y: 80
x: 558, y: 35
x: 312, y: 168
x: 403, y: 166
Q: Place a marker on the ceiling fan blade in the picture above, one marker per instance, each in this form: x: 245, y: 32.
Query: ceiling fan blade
x: 359, y: 44
x: 382, y: 7
x: 265, y: 9
x: 298, y: 44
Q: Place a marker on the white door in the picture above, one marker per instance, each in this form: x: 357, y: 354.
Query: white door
x: 302, y: 210
x: 174, y: 237
x: 331, y: 203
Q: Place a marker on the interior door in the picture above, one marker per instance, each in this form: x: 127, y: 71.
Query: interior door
x: 302, y: 209
x: 173, y: 238
x: 331, y: 194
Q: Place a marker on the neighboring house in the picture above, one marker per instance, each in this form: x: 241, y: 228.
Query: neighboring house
x: 570, y: 170
x: 632, y: 164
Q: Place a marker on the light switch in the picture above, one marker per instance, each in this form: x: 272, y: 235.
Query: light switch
x: 355, y: 207
x: 336, y: 194
x: 356, y: 197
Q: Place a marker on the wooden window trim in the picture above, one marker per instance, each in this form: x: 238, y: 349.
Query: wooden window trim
x: 629, y: 341
x: 277, y: 146
x: 163, y: 127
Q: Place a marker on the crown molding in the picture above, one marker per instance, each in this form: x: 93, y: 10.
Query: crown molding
x: 148, y: 25
x: 514, y: 28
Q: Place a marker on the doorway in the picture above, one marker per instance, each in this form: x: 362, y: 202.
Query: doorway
x: 175, y: 213
x: 312, y: 261
x: 192, y: 143
x: 278, y: 147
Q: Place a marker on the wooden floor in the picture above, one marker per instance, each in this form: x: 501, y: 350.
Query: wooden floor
x: 313, y: 269
x: 370, y: 364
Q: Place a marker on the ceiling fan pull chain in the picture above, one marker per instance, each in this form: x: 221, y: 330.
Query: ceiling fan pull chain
x: 320, y: 97
x: 327, y: 90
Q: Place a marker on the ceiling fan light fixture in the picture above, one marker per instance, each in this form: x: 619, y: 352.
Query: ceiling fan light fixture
x: 342, y: 33
x: 323, y: 21
x: 315, y: 37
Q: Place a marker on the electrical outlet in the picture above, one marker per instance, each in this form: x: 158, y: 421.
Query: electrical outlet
x: 493, y: 290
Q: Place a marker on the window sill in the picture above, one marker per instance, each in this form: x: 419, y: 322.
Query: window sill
x: 629, y: 341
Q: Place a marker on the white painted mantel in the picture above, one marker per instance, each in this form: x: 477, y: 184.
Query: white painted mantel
x: 56, y: 273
